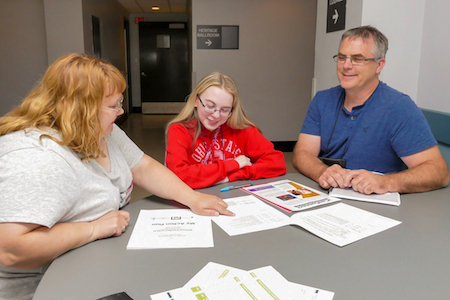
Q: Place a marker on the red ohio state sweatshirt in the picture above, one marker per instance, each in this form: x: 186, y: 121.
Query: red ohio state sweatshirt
x: 199, y: 170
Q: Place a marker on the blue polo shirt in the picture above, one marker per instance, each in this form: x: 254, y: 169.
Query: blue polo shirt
x: 373, y: 136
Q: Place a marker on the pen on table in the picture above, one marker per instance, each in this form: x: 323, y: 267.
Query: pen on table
x: 235, y: 187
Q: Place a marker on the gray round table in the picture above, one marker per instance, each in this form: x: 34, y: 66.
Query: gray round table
x: 408, y: 261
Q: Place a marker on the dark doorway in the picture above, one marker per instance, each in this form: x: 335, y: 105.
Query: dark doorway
x: 96, y: 37
x: 164, y: 61
x: 126, y: 32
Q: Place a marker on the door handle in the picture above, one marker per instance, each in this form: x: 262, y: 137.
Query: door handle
x: 143, y: 74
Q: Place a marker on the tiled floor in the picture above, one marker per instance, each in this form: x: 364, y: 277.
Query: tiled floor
x: 148, y: 132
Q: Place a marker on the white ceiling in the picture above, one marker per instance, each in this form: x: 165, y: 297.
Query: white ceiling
x: 145, y: 6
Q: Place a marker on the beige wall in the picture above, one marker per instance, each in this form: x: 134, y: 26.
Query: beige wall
x: 23, y: 49
x: 111, y: 16
x: 36, y: 32
x: 64, y: 27
x: 274, y: 65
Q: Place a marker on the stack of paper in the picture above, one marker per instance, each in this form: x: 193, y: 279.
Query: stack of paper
x: 217, y: 282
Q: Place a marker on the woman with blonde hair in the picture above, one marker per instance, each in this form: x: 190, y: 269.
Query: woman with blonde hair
x: 213, y: 141
x: 66, y: 169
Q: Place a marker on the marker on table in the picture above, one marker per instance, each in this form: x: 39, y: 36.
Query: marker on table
x: 235, y: 187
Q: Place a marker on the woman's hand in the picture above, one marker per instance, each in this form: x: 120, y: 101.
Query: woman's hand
x: 111, y: 224
x: 159, y: 180
x: 208, y: 205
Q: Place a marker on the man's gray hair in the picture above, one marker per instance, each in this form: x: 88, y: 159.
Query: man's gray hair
x: 367, y: 32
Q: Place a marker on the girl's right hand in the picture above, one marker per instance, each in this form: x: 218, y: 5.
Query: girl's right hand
x: 243, y: 161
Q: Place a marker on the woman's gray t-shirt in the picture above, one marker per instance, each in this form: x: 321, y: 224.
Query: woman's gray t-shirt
x: 45, y: 183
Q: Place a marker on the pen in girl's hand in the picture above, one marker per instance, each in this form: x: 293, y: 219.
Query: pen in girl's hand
x: 235, y: 187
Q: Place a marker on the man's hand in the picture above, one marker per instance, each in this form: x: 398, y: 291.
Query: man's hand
x: 367, y: 182
x: 333, y: 176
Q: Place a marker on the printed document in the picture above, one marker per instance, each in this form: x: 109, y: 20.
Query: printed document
x: 289, y: 195
x: 217, y: 282
x: 171, y: 228
x: 349, y: 193
x: 251, y: 215
x: 342, y: 224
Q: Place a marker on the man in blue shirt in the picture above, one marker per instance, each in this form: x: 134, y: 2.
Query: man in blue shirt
x: 361, y: 128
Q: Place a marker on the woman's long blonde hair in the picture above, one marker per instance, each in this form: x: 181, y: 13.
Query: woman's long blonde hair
x: 238, y: 118
x: 68, y: 99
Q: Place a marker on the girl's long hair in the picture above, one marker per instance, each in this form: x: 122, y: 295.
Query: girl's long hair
x: 238, y: 118
x: 68, y: 100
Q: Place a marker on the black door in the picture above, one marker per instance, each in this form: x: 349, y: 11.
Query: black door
x: 164, y: 61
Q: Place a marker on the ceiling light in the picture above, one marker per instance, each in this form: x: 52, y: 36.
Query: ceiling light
x: 155, y: 7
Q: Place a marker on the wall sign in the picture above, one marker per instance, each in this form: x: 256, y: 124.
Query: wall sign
x: 336, y: 15
x: 139, y: 19
x: 217, y: 37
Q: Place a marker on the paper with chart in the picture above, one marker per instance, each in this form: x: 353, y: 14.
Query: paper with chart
x: 171, y: 228
x: 342, y: 224
x: 289, y: 195
x: 251, y: 215
x: 217, y: 282
x: 349, y: 193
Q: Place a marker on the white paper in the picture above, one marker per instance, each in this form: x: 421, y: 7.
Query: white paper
x: 171, y: 228
x: 225, y: 289
x: 349, y: 193
x: 339, y: 224
x: 309, y: 293
x: 273, y: 282
x: 220, y: 282
x: 212, y: 272
x: 251, y: 215
x: 342, y: 224
x: 214, y: 282
x: 289, y: 195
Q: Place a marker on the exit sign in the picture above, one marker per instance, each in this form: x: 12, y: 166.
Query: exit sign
x: 139, y: 19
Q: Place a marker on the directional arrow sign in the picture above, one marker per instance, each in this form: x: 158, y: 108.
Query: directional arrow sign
x: 217, y: 37
x: 336, y: 15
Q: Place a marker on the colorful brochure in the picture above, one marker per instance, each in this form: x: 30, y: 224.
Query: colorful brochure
x: 289, y: 195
